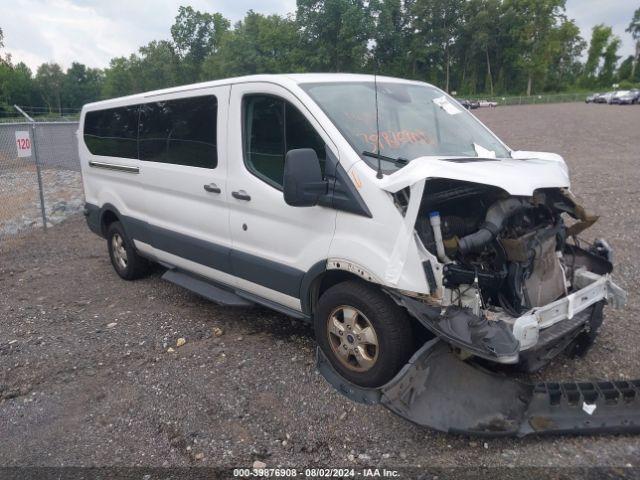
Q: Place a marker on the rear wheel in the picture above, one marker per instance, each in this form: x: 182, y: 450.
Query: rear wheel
x: 364, y: 334
x: 124, y: 258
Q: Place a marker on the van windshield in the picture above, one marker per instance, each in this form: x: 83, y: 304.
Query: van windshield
x: 414, y: 121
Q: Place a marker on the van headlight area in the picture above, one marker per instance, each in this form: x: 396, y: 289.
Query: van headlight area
x: 426, y: 253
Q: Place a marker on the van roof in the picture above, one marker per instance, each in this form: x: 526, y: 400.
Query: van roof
x: 285, y: 79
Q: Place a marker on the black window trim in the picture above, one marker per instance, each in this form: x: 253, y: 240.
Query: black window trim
x: 247, y: 164
x: 250, y: 168
x: 102, y: 110
x: 139, y: 110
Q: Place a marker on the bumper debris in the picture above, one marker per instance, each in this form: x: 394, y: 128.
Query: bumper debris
x: 438, y: 390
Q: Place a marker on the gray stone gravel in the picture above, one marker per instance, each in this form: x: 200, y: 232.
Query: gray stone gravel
x: 20, y: 207
x: 86, y: 378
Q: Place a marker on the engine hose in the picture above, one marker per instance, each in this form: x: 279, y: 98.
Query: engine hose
x: 497, y: 214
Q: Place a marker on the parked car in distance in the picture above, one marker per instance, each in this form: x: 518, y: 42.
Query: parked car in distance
x: 618, y: 95
x: 487, y: 103
x: 592, y: 98
x: 469, y: 104
x: 605, y: 97
x: 626, y: 97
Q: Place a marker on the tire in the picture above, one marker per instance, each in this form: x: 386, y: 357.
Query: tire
x: 124, y: 258
x: 367, y: 360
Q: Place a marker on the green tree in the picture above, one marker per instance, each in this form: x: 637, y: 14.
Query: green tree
x: 196, y: 35
x: 16, y: 83
x: 473, y: 46
x: 117, y: 78
x: 610, y: 59
x: 334, y: 34
x: 155, y: 66
x: 389, y: 55
x: 258, y: 44
x: 600, y: 36
x: 625, y: 71
x: 601, y: 58
x: 535, y: 26
x: 566, y: 48
x: 158, y: 66
x: 634, y: 30
x: 435, y: 24
x: 21, y: 87
x: 477, y: 45
x: 49, y: 81
x: 81, y: 85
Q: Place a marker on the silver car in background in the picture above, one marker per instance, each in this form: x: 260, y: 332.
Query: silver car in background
x: 626, y: 97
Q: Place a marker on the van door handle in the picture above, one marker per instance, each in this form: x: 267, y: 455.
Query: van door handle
x: 212, y: 187
x: 241, y: 195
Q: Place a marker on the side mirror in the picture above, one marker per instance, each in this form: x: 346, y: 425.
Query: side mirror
x: 303, y: 183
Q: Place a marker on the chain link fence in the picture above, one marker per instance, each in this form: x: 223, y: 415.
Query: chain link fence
x: 40, y: 180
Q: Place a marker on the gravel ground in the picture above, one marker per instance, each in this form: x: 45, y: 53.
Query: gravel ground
x: 86, y: 379
x: 20, y: 209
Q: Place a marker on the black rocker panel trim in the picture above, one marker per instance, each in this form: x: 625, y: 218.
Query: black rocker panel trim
x: 270, y: 274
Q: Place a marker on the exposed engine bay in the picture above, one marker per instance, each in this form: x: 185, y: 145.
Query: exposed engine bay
x: 512, y: 246
x: 504, y: 262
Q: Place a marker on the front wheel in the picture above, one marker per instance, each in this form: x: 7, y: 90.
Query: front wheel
x: 364, y: 334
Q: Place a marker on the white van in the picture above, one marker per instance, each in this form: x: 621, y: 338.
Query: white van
x: 377, y: 208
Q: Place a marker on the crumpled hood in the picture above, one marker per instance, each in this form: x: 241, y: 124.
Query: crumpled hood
x: 516, y: 176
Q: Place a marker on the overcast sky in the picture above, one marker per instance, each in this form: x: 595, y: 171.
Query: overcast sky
x: 94, y: 31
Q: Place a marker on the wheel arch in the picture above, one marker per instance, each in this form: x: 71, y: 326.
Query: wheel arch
x: 108, y: 215
x: 318, y: 279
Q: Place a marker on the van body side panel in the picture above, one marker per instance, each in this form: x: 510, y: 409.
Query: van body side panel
x: 183, y: 251
x: 270, y: 238
x: 124, y: 191
x: 185, y: 219
x: 384, y: 229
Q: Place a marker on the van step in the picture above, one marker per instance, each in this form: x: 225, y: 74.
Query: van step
x: 205, y: 289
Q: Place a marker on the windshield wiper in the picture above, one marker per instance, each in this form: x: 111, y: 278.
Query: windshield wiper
x: 400, y: 161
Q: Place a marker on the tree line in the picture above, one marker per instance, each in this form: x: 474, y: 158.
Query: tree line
x: 473, y: 47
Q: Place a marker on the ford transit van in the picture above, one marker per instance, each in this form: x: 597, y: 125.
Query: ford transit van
x: 377, y: 208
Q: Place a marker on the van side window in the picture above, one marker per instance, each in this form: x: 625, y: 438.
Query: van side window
x: 272, y: 127
x: 181, y: 132
x: 112, y: 132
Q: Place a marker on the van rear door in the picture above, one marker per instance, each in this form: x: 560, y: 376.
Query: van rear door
x: 274, y: 244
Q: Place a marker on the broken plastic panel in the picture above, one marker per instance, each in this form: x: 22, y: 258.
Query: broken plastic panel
x: 436, y: 389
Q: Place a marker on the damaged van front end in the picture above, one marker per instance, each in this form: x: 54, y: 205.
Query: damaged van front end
x: 508, y: 279
x: 508, y: 282
x: 477, y: 248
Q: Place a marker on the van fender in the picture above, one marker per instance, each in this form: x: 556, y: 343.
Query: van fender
x: 311, y: 278
x: 438, y: 390
x: 134, y: 228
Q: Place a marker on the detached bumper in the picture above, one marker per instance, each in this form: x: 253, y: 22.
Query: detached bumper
x: 438, y: 390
